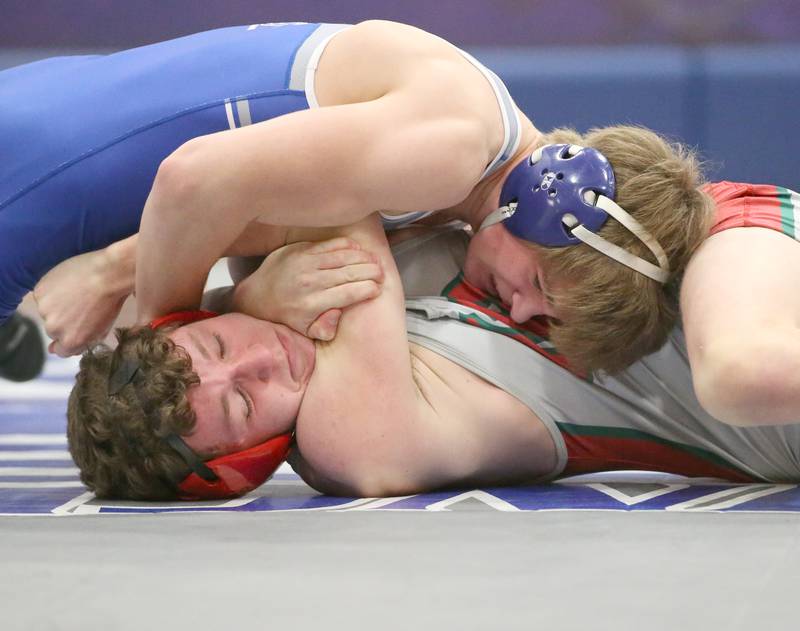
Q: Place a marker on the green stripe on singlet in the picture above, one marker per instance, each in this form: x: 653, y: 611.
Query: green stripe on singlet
x: 787, y: 211
x: 488, y: 323
x: 484, y: 323
x: 452, y: 284
x: 635, y: 434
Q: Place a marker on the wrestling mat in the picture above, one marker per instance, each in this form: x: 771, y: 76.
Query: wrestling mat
x: 38, y: 477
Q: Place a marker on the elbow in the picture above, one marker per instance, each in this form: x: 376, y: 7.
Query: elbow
x: 750, y: 384
x: 178, y: 182
x: 372, y: 480
x: 374, y: 487
x: 352, y: 485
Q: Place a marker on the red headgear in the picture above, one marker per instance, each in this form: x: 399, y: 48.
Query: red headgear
x: 233, y: 474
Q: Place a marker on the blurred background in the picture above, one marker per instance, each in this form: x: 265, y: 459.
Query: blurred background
x: 722, y: 76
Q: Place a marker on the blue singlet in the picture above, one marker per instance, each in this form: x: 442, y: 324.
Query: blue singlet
x: 81, y: 138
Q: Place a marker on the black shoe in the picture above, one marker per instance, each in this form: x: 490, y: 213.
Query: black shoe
x: 21, y: 349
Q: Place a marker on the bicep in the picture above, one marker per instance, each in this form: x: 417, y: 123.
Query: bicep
x: 740, y: 303
x: 380, y: 421
x: 363, y: 414
x: 333, y: 166
x: 741, y: 282
x: 365, y: 423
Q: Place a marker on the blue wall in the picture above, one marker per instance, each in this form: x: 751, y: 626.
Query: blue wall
x: 738, y: 105
x: 127, y: 23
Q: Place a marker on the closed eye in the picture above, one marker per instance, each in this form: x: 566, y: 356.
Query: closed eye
x: 247, y: 403
x: 546, y: 294
x: 221, y: 343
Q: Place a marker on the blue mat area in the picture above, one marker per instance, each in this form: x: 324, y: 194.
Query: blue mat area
x: 37, y: 477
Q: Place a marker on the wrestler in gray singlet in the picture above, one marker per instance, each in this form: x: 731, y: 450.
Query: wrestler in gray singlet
x: 647, y: 417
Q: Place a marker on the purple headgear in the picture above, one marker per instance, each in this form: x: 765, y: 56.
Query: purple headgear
x: 553, y: 181
x: 562, y: 195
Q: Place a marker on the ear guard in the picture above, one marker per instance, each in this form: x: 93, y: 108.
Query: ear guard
x: 237, y: 473
x: 233, y: 474
x: 562, y: 195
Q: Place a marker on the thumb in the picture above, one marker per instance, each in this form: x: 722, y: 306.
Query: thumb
x: 324, y: 327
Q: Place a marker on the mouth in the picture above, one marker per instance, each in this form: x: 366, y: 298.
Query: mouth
x: 491, y: 285
x: 495, y: 291
x: 290, y: 359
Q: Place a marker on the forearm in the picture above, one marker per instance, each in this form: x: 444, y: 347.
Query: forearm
x: 190, y: 220
x: 119, y: 266
x: 327, y: 167
x: 180, y: 240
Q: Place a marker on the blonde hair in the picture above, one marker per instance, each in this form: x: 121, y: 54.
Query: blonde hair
x: 610, y: 315
x: 117, y: 441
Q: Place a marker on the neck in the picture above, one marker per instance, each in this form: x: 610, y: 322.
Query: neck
x: 485, y: 197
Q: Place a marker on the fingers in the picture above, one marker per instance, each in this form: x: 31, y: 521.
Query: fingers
x: 324, y: 327
x: 57, y: 349
x: 61, y: 349
x: 342, y: 258
x: 348, y: 294
x: 66, y: 343
x: 331, y: 245
x: 349, y: 274
x: 314, y: 285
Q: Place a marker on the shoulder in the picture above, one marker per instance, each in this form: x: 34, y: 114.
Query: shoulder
x: 397, y: 39
x: 379, y: 58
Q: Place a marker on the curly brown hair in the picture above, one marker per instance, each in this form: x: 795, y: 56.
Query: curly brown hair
x: 117, y: 440
x: 610, y: 314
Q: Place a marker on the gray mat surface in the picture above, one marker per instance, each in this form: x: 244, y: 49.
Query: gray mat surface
x: 459, y: 570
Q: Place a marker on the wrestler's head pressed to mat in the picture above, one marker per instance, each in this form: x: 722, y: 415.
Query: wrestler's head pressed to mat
x: 375, y: 413
x: 253, y: 375
x: 215, y: 387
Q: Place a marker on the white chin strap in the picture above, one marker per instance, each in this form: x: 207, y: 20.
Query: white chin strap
x: 501, y: 214
x: 659, y: 273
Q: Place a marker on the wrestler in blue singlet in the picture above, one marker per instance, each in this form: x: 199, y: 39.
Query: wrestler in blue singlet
x: 81, y: 138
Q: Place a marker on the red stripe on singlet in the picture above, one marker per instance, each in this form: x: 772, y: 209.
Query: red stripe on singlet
x: 745, y: 206
x: 590, y: 454
x: 463, y: 293
x: 589, y: 451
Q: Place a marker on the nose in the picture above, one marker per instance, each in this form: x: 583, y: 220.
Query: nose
x: 253, y: 364
x: 525, y: 305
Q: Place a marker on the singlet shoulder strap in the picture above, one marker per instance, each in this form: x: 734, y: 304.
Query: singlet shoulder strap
x: 511, y: 123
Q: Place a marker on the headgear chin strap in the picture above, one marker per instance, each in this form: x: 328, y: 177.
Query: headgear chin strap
x: 227, y: 476
x: 562, y: 195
